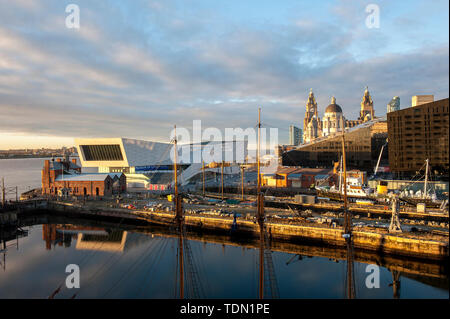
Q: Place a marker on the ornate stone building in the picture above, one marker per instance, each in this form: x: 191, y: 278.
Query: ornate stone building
x: 333, y: 119
x: 367, y: 112
x: 312, y: 126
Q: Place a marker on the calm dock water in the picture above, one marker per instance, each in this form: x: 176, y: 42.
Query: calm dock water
x: 119, y: 261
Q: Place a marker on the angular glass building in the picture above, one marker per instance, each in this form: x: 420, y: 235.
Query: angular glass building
x: 149, y: 165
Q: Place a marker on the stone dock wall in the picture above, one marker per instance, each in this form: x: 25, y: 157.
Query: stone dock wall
x: 383, y: 243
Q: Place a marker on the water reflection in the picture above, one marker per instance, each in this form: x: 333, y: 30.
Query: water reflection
x: 395, y: 284
x: 91, y: 238
x: 9, y: 238
x: 143, y: 262
x: 350, y: 274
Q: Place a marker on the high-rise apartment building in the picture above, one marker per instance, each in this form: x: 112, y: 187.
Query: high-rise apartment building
x: 419, y: 133
x: 295, y: 135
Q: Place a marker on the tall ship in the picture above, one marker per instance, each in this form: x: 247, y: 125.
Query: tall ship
x: 356, y: 190
x: 426, y: 196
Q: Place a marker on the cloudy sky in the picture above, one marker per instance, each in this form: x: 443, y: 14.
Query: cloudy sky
x: 135, y: 69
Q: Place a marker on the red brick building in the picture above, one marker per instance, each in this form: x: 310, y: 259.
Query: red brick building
x: 65, y: 178
x: 306, y: 177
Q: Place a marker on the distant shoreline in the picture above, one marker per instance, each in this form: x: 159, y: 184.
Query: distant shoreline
x: 30, y: 156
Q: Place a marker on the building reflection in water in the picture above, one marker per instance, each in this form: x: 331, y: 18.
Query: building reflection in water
x: 114, y: 241
x: 91, y: 238
x: 54, y: 236
x: 109, y: 240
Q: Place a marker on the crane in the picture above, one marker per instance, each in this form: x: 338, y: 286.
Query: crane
x: 379, y: 158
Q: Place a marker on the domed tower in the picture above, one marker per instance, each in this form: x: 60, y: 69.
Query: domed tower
x: 367, y: 112
x: 311, y: 115
x: 333, y: 119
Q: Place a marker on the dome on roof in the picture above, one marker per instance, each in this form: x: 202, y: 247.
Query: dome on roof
x: 333, y: 107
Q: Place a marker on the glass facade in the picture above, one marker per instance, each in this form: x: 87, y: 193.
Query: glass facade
x: 362, y: 147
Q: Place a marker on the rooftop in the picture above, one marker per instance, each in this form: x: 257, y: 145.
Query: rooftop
x: 83, y: 177
x: 55, y: 165
x: 303, y: 170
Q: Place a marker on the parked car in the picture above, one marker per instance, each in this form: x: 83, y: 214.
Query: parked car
x: 128, y: 206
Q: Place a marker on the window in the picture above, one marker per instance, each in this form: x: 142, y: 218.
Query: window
x: 102, y: 152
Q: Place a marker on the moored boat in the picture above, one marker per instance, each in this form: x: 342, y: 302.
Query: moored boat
x: 33, y: 193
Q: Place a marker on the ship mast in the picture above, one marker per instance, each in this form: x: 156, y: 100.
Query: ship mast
x: 258, y: 150
x: 347, y: 227
x: 347, y: 224
x: 179, y: 218
x: 62, y: 177
x: 340, y: 178
x: 222, y: 178
x: 175, y: 158
x: 426, y: 180
x: 242, y: 180
x: 260, y: 213
x: 203, y: 170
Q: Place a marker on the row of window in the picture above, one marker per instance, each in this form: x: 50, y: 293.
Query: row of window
x: 78, y: 190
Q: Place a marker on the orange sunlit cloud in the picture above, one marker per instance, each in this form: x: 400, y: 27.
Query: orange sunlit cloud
x: 23, y: 140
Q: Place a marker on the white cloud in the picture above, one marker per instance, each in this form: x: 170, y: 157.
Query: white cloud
x: 136, y: 73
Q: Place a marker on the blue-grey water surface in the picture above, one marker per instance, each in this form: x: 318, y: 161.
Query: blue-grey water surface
x: 122, y: 262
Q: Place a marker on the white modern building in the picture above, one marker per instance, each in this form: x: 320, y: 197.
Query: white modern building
x: 149, y: 165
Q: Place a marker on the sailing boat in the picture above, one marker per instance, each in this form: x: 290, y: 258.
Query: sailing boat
x: 355, y: 190
x: 414, y: 198
x: 351, y: 185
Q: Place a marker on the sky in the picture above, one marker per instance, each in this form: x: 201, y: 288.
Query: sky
x: 134, y: 69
